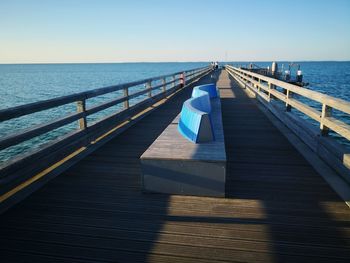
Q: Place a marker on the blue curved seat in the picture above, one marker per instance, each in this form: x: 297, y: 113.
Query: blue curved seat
x: 210, y: 88
x: 203, y: 101
x: 195, y: 123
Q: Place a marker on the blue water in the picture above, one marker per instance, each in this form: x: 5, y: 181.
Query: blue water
x: 26, y: 83
x: 21, y: 84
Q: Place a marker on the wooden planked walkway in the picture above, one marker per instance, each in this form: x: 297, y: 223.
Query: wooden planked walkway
x: 278, y: 208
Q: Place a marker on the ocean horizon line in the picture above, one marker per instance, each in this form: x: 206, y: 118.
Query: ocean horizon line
x: 165, y: 62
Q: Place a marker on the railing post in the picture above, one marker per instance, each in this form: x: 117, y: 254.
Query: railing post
x: 271, y: 86
x: 174, y: 81
x: 259, y: 80
x: 164, y: 84
x: 326, y: 112
x: 149, y: 88
x: 126, y: 94
x: 288, y: 96
x: 182, y: 79
x: 81, y: 107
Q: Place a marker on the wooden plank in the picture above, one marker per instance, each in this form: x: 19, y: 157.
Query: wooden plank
x: 175, y: 244
x: 15, y: 112
x: 37, y: 130
x: 309, y: 111
x: 278, y: 95
x: 230, y: 232
x: 279, y: 209
x: 338, y: 126
x: 106, y: 105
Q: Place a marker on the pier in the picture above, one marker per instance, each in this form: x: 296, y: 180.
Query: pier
x: 79, y: 199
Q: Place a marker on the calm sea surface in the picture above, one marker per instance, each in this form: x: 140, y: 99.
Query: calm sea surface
x: 26, y: 83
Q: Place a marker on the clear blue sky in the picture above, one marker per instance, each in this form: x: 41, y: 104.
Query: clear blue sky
x: 33, y: 31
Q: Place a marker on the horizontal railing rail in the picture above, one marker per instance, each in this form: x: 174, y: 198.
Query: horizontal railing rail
x: 265, y: 88
x: 15, y: 112
x: 86, y: 131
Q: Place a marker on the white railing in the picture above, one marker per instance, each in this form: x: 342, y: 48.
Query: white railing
x: 265, y: 87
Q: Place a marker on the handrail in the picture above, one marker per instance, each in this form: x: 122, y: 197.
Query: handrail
x: 18, y: 111
x: 264, y: 87
x: 178, y: 79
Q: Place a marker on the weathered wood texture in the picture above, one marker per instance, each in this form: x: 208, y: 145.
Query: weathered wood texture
x: 279, y: 210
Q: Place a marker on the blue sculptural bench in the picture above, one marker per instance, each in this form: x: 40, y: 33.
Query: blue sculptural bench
x: 196, y: 122
x: 209, y: 88
x: 176, y: 164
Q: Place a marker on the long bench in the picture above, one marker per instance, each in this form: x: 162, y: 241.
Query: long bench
x: 176, y: 164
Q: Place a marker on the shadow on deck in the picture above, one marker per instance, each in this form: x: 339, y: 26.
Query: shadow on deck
x: 278, y: 208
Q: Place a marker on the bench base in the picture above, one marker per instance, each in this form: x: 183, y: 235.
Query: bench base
x: 200, y: 178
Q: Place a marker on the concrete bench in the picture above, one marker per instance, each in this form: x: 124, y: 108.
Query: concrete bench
x: 175, y: 165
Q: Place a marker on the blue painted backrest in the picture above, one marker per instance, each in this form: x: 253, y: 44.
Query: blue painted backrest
x: 201, y: 101
x: 210, y: 88
x: 195, y: 124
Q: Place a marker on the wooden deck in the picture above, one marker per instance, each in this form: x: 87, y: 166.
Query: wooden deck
x: 278, y: 208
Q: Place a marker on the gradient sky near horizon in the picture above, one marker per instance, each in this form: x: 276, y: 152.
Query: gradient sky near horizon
x: 59, y: 31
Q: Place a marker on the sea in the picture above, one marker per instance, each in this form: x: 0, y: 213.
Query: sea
x: 26, y: 83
